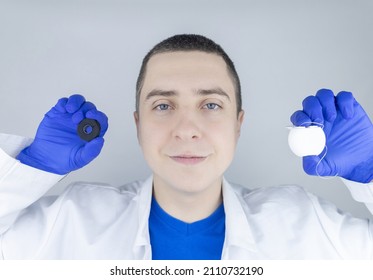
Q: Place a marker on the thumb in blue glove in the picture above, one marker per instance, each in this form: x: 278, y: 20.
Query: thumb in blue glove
x: 349, y: 136
x: 57, y: 148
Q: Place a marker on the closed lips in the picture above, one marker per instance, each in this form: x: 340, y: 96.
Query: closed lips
x: 188, y: 159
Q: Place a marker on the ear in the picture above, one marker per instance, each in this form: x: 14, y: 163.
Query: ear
x: 137, y: 122
x: 240, y: 120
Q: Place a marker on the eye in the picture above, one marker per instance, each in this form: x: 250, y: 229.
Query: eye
x: 162, y: 107
x: 211, y: 106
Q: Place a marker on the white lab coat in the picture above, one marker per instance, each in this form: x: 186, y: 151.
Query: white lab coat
x: 98, y: 221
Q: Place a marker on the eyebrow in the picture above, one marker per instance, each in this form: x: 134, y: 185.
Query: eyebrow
x: 203, y: 92
x: 217, y: 91
x: 159, y: 92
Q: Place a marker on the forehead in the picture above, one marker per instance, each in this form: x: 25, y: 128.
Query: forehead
x: 187, y: 70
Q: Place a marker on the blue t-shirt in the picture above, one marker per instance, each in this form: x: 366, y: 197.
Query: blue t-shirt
x: 173, y: 239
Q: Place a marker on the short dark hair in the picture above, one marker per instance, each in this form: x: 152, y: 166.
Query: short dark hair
x: 190, y: 42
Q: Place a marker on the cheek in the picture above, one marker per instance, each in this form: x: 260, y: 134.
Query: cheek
x: 224, y: 136
x: 151, y: 136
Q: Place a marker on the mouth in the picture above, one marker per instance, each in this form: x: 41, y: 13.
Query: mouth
x: 188, y: 159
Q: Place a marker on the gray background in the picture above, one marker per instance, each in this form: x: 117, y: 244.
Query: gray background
x: 283, y: 51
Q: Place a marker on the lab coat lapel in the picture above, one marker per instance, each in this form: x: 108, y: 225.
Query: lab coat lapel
x: 239, y: 242
x: 142, y: 247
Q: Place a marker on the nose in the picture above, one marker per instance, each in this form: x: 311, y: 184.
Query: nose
x: 187, y: 128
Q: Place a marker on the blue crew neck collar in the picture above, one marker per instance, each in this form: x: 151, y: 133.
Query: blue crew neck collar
x: 187, y: 228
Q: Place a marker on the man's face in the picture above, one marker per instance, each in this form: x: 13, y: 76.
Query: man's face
x: 187, y: 122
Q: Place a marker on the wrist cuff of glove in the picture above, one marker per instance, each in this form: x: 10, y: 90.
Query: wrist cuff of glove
x: 363, y: 173
x: 25, y: 158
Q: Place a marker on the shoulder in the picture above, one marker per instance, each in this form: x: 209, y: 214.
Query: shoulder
x: 84, y: 190
x: 274, y: 197
x: 280, y: 192
x: 99, y: 198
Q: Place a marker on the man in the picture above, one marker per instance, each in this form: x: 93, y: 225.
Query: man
x: 188, y: 117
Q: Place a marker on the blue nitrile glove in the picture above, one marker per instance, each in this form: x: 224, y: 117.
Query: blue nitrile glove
x: 349, y: 136
x: 57, y: 148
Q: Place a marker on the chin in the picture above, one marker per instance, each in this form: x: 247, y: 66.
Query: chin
x: 192, y: 183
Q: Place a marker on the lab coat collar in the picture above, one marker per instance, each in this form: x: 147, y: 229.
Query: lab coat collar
x: 142, y: 247
x: 238, y: 234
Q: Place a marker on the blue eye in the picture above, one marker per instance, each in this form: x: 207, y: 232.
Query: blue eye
x: 212, y: 106
x: 162, y: 107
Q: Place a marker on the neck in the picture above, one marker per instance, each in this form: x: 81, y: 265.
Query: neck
x: 187, y: 204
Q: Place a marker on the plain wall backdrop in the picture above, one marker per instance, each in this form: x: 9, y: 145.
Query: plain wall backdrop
x: 283, y: 52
